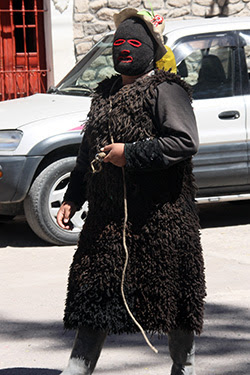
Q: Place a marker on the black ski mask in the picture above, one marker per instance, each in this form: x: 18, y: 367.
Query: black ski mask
x: 133, y: 48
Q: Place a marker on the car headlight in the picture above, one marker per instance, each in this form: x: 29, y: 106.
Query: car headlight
x: 10, y: 139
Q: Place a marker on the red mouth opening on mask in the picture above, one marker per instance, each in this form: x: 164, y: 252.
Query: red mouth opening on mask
x: 125, y: 57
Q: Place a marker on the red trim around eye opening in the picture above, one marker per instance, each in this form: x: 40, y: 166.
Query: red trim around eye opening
x: 119, y: 42
x: 134, y: 43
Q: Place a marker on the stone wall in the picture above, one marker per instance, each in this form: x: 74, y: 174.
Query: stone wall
x: 93, y: 18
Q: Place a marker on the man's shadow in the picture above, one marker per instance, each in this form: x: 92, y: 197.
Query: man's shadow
x: 28, y: 371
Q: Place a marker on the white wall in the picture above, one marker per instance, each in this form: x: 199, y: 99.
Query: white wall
x: 62, y: 37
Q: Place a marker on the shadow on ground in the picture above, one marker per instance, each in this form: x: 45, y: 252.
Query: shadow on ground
x: 17, y: 233
x: 224, y: 214
x: 28, y: 330
x: 226, y: 332
x: 28, y: 371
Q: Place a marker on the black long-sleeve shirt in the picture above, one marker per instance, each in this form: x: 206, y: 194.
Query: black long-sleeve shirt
x: 173, y: 116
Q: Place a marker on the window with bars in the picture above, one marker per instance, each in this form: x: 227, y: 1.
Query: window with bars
x: 22, y: 48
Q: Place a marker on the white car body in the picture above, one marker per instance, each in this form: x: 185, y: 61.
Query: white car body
x: 41, y: 116
x: 51, y: 123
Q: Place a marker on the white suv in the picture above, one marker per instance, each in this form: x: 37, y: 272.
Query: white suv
x: 40, y: 134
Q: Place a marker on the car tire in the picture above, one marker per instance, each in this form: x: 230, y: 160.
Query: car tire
x: 44, y: 199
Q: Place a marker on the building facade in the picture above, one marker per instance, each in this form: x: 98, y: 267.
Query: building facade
x: 93, y: 18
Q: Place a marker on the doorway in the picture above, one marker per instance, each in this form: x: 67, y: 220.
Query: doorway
x: 23, y: 68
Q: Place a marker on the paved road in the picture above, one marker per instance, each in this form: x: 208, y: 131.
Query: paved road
x: 33, y: 279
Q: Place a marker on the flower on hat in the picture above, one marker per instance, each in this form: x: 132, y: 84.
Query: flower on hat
x: 157, y: 20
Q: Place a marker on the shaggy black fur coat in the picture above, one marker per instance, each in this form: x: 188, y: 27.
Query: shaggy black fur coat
x: 164, y: 286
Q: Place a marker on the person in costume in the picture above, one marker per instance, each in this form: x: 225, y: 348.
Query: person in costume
x: 143, y: 123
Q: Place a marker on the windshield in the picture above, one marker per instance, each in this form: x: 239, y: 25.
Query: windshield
x: 93, y: 68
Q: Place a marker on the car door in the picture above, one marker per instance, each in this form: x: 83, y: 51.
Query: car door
x: 210, y: 64
x: 244, y: 39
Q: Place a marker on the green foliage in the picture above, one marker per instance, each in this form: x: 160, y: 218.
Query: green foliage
x: 146, y: 12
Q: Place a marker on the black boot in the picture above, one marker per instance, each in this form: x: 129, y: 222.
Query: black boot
x: 182, y: 352
x: 86, y: 351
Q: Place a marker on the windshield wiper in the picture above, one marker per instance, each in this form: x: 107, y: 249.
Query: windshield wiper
x: 74, y: 90
x: 81, y: 89
x: 53, y: 90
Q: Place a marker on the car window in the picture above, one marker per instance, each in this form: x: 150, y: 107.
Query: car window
x: 207, y: 64
x: 245, y: 36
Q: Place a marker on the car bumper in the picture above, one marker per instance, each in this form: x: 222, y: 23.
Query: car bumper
x: 17, y: 173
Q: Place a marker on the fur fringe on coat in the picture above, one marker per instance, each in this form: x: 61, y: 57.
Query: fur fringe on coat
x: 164, y: 285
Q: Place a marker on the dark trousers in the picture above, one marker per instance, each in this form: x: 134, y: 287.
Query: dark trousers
x: 88, y: 345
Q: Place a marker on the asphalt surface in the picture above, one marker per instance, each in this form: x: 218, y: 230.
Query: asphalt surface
x: 33, y: 280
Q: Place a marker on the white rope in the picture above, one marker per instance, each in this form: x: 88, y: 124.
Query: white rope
x: 126, y: 264
x: 126, y: 248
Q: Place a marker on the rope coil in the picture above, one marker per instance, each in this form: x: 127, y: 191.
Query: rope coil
x: 96, y: 164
